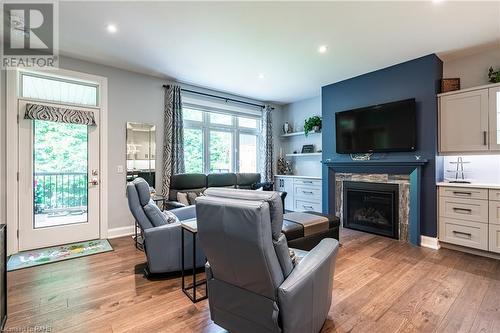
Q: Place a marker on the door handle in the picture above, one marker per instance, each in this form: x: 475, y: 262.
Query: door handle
x: 462, y: 193
x: 485, y: 138
x: 464, y: 235
x: 464, y: 210
x: 94, y: 181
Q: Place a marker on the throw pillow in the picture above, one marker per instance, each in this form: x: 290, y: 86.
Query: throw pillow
x: 170, y: 217
x: 192, y: 197
x: 183, y: 198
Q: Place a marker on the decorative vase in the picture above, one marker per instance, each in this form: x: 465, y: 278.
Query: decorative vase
x: 287, y: 128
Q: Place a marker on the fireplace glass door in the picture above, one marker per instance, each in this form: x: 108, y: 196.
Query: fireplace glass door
x: 371, y: 207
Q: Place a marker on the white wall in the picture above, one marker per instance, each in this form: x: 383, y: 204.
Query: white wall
x: 472, y: 69
x: 295, y: 114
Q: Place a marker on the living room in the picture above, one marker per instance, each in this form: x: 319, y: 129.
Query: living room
x: 250, y: 166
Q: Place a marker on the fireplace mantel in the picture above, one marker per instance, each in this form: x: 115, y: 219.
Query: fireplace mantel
x: 376, y: 163
x: 390, y: 166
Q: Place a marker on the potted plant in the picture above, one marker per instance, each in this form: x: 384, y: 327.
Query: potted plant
x: 312, y: 124
x: 494, y: 76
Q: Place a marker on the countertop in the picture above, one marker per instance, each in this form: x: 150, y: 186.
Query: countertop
x: 298, y: 176
x: 494, y: 186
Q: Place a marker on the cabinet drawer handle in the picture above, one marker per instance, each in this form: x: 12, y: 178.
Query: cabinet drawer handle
x: 307, y: 207
x: 307, y: 182
x: 308, y: 192
x: 460, y: 234
x: 485, y: 138
x: 462, y: 210
x: 462, y: 193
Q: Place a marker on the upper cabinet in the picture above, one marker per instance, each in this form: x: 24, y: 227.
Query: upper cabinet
x: 494, y: 117
x: 468, y: 120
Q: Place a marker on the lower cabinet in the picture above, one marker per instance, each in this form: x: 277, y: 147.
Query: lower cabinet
x: 494, y: 240
x: 464, y: 233
x: 470, y: 217
x: 302, y: 193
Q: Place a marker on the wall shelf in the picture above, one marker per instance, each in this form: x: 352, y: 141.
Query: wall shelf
x: 301, y: 155
x: 287, y: 135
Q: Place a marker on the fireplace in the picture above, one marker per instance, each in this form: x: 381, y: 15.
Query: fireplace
x: 371, y: 207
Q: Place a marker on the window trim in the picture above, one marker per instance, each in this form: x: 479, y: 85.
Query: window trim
x: 235, y: 130
x: 51, y: 76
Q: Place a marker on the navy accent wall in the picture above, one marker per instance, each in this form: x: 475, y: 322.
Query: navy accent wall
x: 417, y: 79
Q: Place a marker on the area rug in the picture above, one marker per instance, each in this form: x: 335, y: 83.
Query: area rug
x: 57, y: 253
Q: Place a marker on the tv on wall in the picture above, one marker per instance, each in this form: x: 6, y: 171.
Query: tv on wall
x: 389, y: 127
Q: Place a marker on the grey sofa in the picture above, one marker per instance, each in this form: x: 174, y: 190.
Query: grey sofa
x: 198, y: 182
x: 253, y: 285
x: 162, y: 242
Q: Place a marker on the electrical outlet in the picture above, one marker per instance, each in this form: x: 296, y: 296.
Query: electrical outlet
x: 119, y: 169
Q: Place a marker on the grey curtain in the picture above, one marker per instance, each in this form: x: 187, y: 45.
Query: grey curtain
x: 267, y: 146
x: 59, y: 115
x: 173, y: 138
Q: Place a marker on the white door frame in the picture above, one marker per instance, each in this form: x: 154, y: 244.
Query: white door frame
x: 12, y: 150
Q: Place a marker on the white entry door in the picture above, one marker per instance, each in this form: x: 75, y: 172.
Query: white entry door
x: 58, y: 180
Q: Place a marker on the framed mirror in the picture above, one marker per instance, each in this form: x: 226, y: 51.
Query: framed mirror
x: 141, y: 152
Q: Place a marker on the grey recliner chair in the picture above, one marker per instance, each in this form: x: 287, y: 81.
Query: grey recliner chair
x: 162, y: 241
x: 253, y: 285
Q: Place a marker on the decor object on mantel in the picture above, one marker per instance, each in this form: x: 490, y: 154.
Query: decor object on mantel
x: 450, y: 85
x: 459, y: 171
x: 361, y: 157
x: 312, y: 124
x: 494, y: 76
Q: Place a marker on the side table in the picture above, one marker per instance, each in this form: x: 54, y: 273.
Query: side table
x: 191, y: 227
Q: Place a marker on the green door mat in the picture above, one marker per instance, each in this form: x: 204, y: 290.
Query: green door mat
x: 57, y: 253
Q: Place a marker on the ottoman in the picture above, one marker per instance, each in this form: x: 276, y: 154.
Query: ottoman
x: 296, y: 237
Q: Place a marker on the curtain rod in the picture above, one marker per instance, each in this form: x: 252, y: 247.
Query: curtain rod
x: 167, y: 86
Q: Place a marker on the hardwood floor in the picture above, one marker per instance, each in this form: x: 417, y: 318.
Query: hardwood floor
x: 381, y: 285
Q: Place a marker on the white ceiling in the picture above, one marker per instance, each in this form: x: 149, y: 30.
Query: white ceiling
x: 226, y: 45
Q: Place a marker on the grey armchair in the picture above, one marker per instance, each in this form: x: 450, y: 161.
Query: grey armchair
x: 253, y: 286
x: 162, y: 241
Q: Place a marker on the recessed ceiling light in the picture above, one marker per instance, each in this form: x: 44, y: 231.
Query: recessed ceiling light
x: 111, y: 28
x: 322, y: 49
x: 437, y: 1
x: 261, y: 76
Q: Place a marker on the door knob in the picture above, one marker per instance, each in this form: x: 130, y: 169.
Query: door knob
x: 94, y: 181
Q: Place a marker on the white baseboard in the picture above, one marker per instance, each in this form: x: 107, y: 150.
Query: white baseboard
x: 120, y: 232
x: 429, y: 242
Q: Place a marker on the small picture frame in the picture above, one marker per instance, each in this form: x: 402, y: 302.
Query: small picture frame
x: 451, y: 84
x: 307, y: 149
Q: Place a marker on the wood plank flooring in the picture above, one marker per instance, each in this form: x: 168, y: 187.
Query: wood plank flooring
x: 381, y: 285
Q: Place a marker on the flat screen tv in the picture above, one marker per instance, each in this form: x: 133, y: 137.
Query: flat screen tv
x: 389, y: 127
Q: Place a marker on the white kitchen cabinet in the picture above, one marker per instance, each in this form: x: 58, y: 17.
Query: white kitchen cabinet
x: 463, y: 121
x: 285, y: 184
x: 469, y: 120
x: 494, y: 118
x: 469, y: 216
x: 303, y: 193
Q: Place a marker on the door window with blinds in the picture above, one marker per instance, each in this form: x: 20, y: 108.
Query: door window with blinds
x: 218, y: 139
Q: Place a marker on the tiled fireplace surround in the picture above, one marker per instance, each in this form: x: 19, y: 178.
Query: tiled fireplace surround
x: 405, y: 172
x: 404, y: 194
